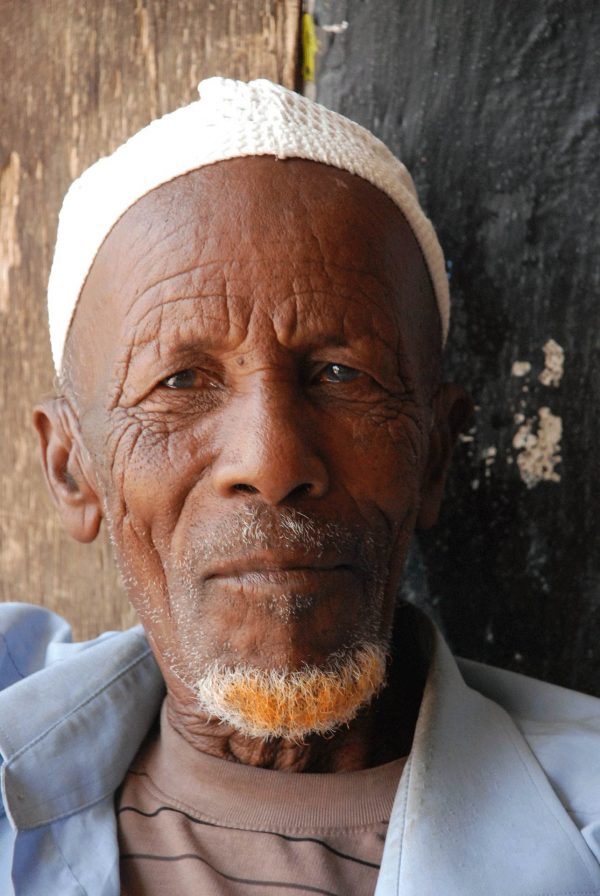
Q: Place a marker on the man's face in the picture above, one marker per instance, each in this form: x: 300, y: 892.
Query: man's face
x: 253, y: 358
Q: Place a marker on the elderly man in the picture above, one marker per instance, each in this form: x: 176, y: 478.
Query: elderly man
x: 247, y: 311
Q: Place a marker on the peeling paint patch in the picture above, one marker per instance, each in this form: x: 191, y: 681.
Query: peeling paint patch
x: 538, y: 446
x: 520, y: 368
x: 10, y: 251
x: 488, y: 455
x: 337, y: 28
x: 554, y: 363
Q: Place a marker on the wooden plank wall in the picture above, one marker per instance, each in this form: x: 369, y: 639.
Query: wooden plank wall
x: 76, y: 79
x: 495, y: 109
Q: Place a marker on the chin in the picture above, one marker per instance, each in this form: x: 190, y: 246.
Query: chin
x: 296, y: 703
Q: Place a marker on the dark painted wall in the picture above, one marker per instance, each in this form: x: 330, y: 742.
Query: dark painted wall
x: 494, y: 108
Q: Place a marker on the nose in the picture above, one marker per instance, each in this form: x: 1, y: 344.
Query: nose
x: 269, y: 450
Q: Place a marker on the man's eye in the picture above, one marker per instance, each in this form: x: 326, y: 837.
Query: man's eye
x: 183, y: 379
x: 338, y: 373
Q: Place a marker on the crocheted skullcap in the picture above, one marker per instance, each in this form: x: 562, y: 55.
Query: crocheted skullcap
x: 231, y: 119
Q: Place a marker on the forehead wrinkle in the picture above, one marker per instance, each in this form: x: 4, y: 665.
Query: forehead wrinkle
x: 150, y: 222
x: 224, y: 273
x: 197, y: 317
x: 169, y: 282
x: 333, y: 326
x: 290, y: 312
x: 196, y: 297
x: 380, y: 298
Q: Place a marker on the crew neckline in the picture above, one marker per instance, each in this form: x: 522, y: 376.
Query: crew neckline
x: 232, y: 794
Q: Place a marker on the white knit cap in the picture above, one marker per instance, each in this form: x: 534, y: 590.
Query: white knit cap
x: 231, y: 119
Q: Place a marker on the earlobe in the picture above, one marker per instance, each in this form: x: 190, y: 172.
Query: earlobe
x: 452, y: 408
x: 69, y: 481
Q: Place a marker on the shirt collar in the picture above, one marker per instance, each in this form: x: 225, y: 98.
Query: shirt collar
x: 474, y: 805
x: 70, y: 731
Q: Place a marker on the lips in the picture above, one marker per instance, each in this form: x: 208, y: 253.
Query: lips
x: 275, y: 569
x: 271, y: 570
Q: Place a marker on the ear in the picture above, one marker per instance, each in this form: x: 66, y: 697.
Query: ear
x: 452, y: 410
x: 67, y: 468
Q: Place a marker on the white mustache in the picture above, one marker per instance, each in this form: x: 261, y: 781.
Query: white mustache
x: 286, y: 530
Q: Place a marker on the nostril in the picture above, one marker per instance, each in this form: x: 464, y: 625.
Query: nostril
x: 242, y: 487
x: 304, y: 488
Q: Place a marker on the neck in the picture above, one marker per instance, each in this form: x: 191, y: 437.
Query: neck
x: 380, y: 733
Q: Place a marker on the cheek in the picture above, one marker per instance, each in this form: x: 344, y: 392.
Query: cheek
x: 150, y: 469
x: 383, y: 459
x: 154, y: 465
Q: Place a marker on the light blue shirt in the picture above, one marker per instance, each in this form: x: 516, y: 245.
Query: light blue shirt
x: 500, y: 795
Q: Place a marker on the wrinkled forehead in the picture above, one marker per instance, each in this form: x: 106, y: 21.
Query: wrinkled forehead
x: 280, y: 209
x: 262, y: 225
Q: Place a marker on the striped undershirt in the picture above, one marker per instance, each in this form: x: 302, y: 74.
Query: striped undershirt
x: 193, y: 825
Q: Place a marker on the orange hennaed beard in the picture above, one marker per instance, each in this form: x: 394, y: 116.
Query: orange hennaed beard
x: 293, y: 704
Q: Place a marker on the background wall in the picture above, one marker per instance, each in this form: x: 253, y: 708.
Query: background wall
x: 494, y: 107
x: 76, y: 79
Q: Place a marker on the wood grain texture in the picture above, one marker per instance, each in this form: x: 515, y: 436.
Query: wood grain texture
x: 76, y: 79
x: 494, y: 108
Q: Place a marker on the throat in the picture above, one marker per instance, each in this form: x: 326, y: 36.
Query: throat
x: 350, y: 748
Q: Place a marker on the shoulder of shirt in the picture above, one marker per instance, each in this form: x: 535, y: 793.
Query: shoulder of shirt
x: 72, y: 716
x: 561, y: 727
x: 33, y: 638
x: 83, y: 700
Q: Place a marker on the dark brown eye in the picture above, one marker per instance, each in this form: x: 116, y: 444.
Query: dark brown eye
x: 183, y: 379
x: 338, y: 373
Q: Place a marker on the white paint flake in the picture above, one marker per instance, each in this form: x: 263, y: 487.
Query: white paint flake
x: 520, y: 368
x: 336, y: 28
x: 488, y: 455
x: 538, y: 446
x: 554, y: 363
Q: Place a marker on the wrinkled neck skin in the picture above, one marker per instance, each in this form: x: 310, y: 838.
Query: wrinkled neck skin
x: 382, y: 732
